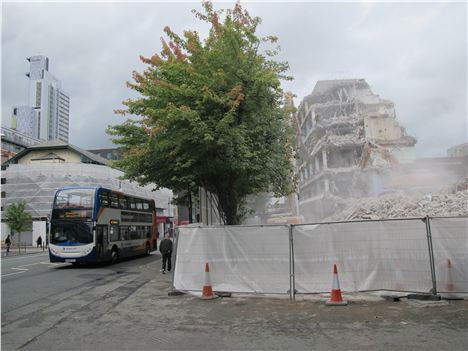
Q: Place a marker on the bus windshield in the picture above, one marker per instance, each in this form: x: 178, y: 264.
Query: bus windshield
x: 75, y: 198
x: 70, y: 233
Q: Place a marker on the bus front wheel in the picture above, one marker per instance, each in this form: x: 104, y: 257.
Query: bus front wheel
x: 148, y: 249
x: 115, y: 255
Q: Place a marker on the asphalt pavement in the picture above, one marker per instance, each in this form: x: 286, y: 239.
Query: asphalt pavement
x: 131, y: 310
x: 23, y: 250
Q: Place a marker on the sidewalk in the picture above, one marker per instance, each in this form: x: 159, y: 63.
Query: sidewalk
x: 24, y: 250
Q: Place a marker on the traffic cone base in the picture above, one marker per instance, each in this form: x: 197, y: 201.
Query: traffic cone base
x: 207, y: 291
x: 331, y: 303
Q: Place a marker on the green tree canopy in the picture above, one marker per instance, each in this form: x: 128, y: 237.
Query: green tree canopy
x: 17, y: 218
x: 212, y: 114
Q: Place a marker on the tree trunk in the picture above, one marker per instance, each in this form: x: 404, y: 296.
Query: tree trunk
x: 190, y: 209
x: 229, y: 203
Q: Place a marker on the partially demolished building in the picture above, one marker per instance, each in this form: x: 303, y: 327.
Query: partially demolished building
x: 349, y: 137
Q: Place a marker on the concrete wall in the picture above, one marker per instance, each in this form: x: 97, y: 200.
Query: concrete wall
x: 39, y: 229
x: 5, y: 231
x: 27, y: 237
x: 382, y: 128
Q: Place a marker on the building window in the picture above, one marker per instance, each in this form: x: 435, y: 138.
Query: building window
x: 3, y: 180
x: 38, y: 94
x: 3, y: 194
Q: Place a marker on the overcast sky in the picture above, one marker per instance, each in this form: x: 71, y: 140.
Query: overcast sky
x: 414, y: 54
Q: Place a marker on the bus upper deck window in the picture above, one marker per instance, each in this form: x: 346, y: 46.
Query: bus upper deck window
x: 104, y: 200
x: 132, y: 204
x: 146, y: 206
x: 114, y: 201
x: 139, y: 205
x: 123, y: 203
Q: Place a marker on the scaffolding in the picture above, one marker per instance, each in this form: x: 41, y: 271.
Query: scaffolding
x: 36, y: 184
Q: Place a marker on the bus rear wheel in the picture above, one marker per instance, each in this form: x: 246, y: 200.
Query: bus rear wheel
x: 114, y: 255
x: 148, y: 249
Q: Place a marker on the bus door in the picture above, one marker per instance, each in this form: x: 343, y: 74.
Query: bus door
x: 101, y: 241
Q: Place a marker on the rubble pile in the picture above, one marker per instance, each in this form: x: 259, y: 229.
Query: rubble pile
x: 400, y: 205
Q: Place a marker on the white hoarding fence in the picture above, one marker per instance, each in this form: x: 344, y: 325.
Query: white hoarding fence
x: 450, y: 245
x: 242, y: 259
x: 379, y: 255
x: 414, y: 255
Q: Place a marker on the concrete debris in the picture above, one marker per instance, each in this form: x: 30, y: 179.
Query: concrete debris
x: 400, y: 205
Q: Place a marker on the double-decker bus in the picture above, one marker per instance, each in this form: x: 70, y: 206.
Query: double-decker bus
x: 94, y: 224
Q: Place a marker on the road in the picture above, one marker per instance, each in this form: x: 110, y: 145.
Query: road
x: 32, y: 286
x: 126, y: 307
x: 31, y: 278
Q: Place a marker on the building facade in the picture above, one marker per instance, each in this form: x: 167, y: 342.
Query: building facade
x: 460, y: 150
x: 349, y: 137
x: 47, y: 116
x: 23, y: 120
x: 112, y: 154
x: 35, y: 173
x: 13, y: 142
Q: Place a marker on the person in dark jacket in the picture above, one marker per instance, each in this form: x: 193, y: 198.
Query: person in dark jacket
x: 8, y: 244
x: 165, y: 247
x: 39, y: 242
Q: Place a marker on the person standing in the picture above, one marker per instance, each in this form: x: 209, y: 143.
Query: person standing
x: 165, y: 247
x: 39, y: 242
x: 8, y: 244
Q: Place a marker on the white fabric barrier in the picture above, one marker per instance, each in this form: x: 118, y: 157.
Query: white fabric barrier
x: 241, y: 259
x: 384, y: 255
x: 450, y: 244
x: 370, y: 255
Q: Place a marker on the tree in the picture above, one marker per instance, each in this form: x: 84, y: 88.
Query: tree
x: 212, y: 115
x: 18, y: 219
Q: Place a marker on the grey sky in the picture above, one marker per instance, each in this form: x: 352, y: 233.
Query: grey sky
x: 414, y: 54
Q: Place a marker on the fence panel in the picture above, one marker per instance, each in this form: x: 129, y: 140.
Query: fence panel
x: 450, y: 244
x: 370, y: 255
x: 242, y: 259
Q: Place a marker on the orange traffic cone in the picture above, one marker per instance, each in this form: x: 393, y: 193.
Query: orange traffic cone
x: 207, y: 293
x: 449, y: 285
x: 336, y: 299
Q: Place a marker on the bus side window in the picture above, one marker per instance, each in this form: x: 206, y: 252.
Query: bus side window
x: 123, y: 232
x: 104, y: 200
x: 132, y: 204
x: 114, y: 233
x: 146, y: 206
x: 142, y: 232
x: 148, y: 232
x: 123, y: 203
x: 114, y: 201
x: 133, y: 233
x: 139, y: 205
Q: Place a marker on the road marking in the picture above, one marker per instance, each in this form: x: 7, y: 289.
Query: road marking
x: 25, y: 256
x: 22, y: 270
x: 36, y: 263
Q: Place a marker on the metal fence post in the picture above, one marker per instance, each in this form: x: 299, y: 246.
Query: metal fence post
x: 292, y: 281
x: 174, y: 256
x: 426, y: 220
